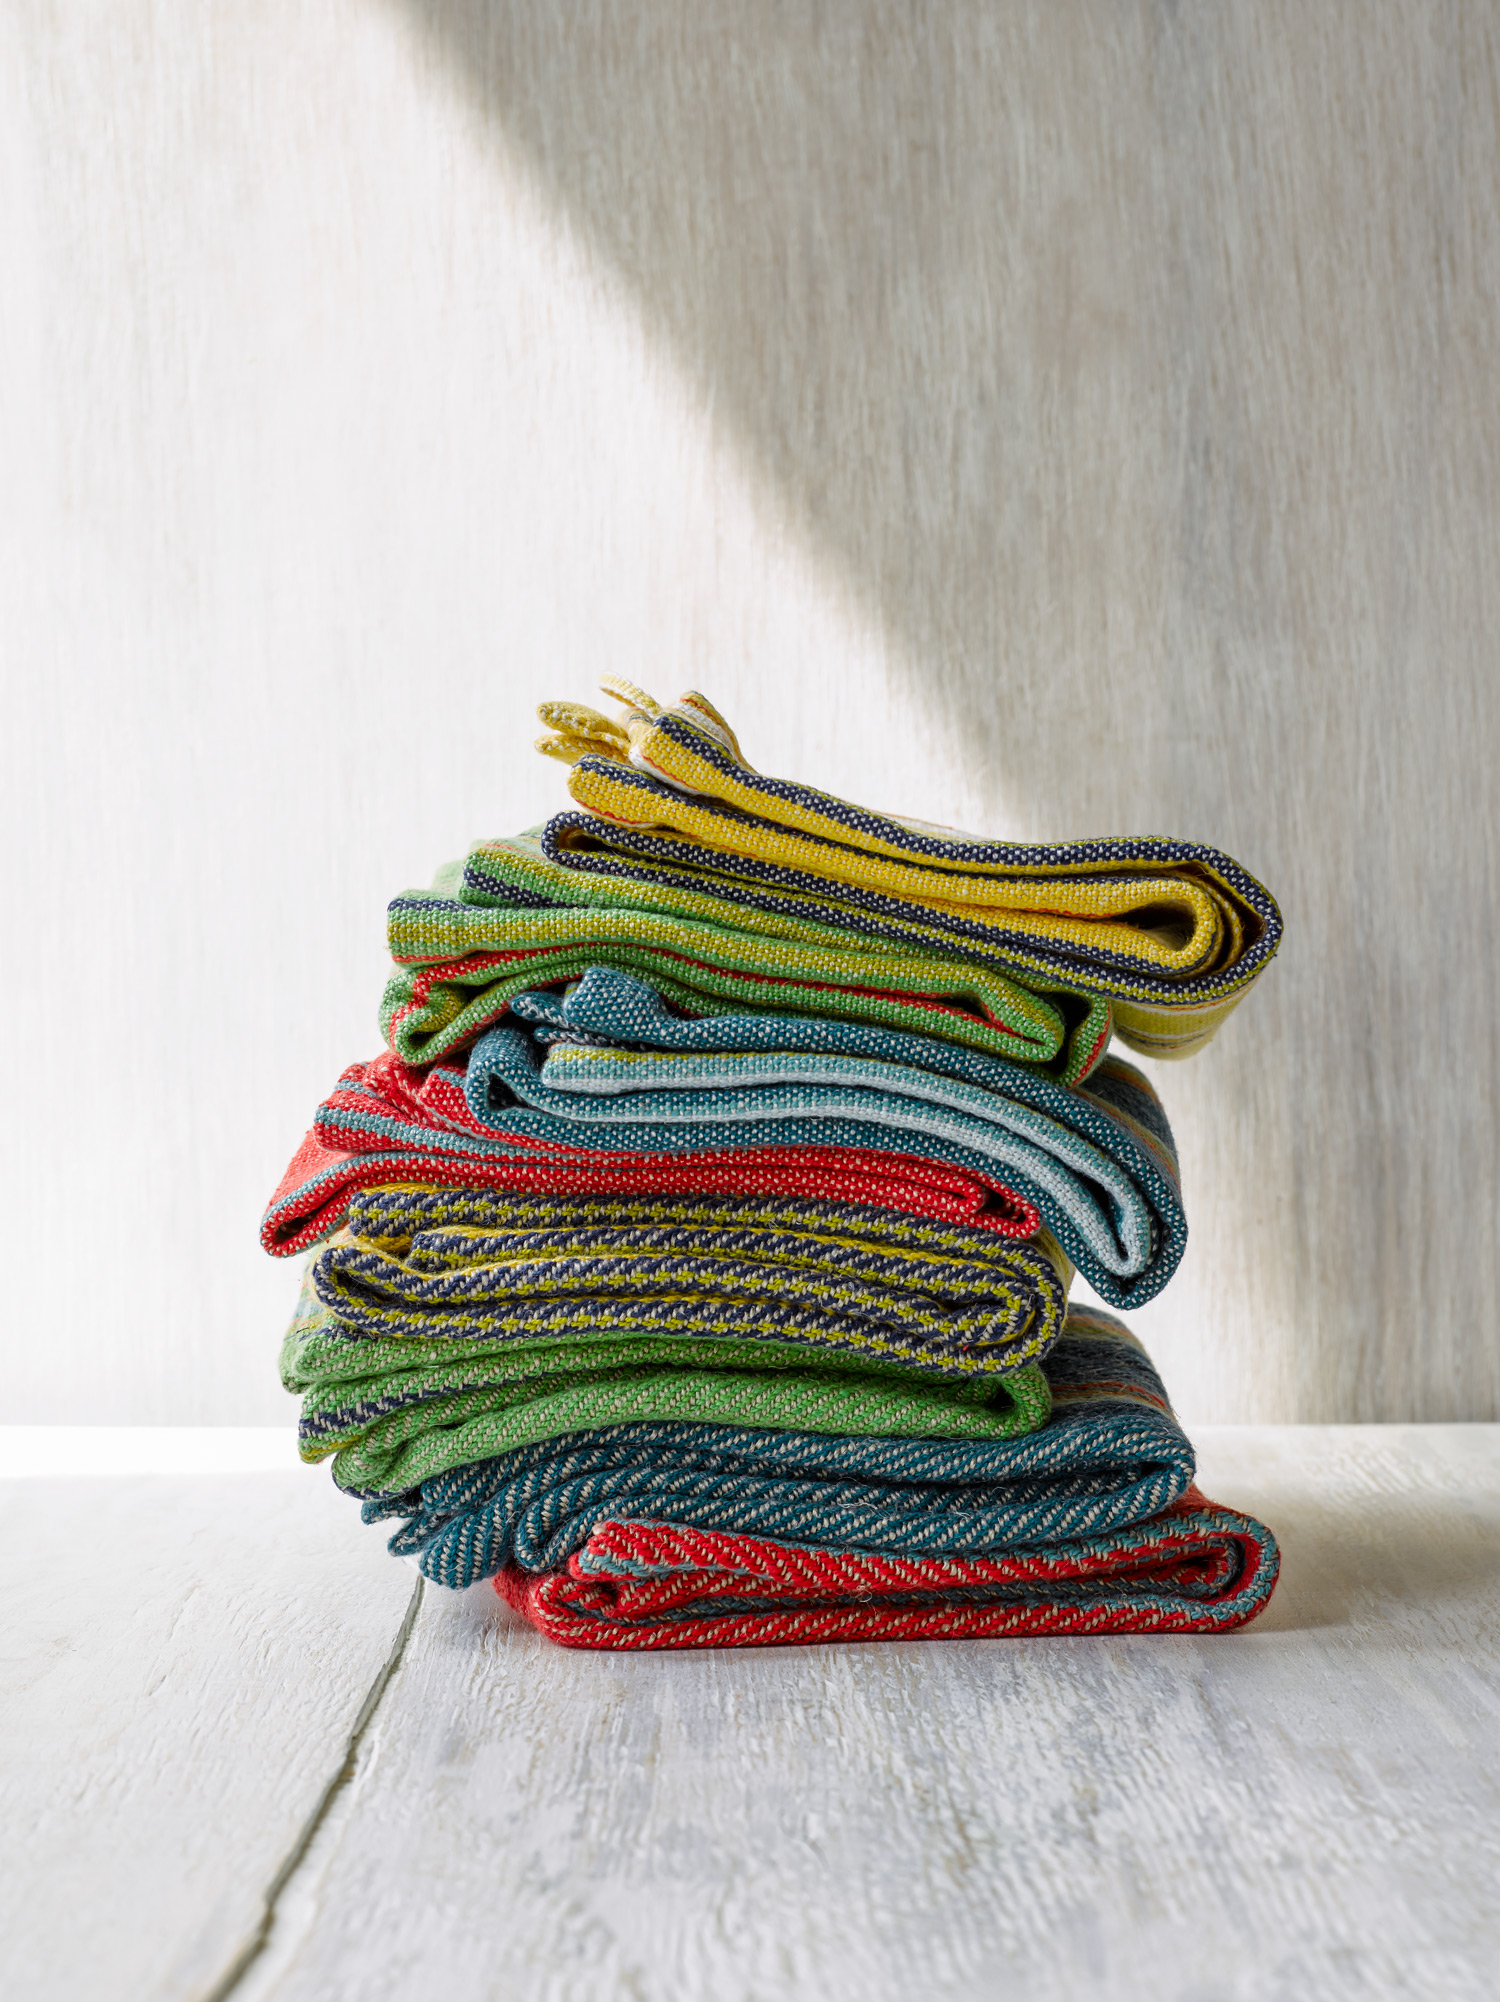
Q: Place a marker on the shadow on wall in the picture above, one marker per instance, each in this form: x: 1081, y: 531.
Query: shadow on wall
x: 1130, y: 365
x: 873, y: 238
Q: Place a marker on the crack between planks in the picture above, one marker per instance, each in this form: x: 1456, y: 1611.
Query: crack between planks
x: 230, y: 1980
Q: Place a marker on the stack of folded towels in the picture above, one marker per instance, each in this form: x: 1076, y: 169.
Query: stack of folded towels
x: 694, y: 1260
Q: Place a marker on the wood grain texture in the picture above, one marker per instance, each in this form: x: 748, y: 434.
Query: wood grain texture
x: 1309, y: 1808
x: 181, y: 1662
x: 1050, y: 418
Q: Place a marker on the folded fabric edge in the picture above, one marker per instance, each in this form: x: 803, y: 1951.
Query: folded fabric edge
x: 650, y: 1586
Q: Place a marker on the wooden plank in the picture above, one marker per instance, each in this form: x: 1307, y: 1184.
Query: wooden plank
x: 181, y: 1662
x: 1311, y: 1808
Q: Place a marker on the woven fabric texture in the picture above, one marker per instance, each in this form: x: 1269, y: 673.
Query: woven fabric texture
x: 856, y: 1281
x: 1195, y: 1568
x: 1171, y: 932
x: 395, y: 1412
x: 1116, y: 1212
x: 1110, y: 1454
x: 694, y: 1261
x: 1098, y: 1162
x: 388, y: 1122
x: 313, y: 1199
x: 513, y: 918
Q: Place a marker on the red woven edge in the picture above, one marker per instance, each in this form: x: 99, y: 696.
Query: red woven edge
x: 602, y: 1600
x: 335, y: 1159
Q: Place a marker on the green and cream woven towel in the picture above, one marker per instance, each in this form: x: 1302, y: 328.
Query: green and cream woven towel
x: 397, y: 1408
x: 1170, y: 932
x: 512, y: 918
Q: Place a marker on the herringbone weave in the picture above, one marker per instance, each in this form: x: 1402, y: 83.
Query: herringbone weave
x: 1116, y: 1214
x: 1085, y: 1153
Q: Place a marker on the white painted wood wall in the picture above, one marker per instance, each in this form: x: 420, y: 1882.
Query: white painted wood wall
x: 1052, y: 418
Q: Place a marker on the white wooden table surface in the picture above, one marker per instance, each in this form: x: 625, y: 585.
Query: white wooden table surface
x: 239, y: 1754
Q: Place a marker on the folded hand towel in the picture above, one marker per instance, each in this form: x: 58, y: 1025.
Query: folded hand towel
x: 1110, y: 1454
x: 1098, y: 1162
x: 395, y: 1412
x: 519, y: 920
x: 1172, y: 932
x: 1113, y: 1208
x: 857, y: 1281
x: 388, y: 1123
x: 1195, y: 1568
x: 865, y: 1106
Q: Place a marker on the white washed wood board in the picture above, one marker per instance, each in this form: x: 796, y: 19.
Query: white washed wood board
x: 1309, y: 1808
x: 181, y: 1663
x: 1050, y: 418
